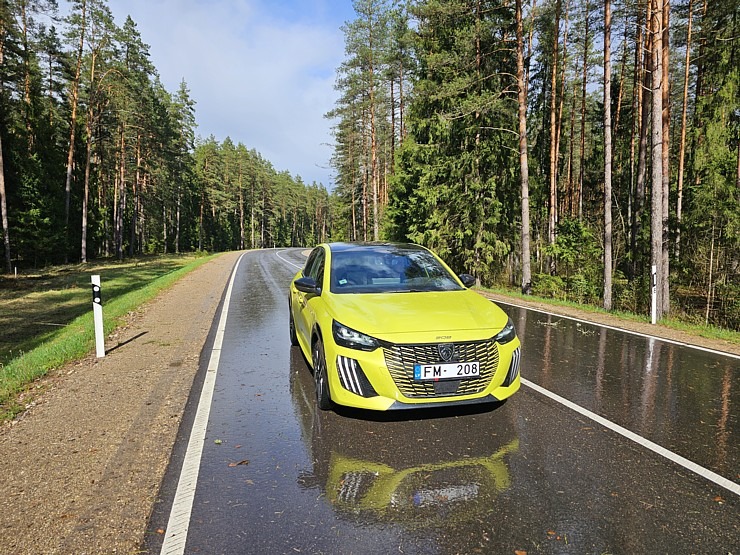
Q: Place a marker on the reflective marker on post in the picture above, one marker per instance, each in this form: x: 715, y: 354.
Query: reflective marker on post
x: 98, y: 317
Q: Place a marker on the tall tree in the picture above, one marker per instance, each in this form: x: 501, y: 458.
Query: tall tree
x: 77, y: 22
x: 656, y: 31
x: 553, y: 205
x: 523, y: 156
x: 607, y: 157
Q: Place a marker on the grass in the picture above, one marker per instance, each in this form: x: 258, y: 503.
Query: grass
x: 47, y: 320
x: 709, y: 332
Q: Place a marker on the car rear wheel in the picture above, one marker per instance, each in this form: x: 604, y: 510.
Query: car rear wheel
x: 293, y: 336
x: 323, y: 399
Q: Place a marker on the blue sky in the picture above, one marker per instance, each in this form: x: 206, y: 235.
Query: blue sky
x: 261, y: 72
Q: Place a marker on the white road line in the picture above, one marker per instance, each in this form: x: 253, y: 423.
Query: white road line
x: 657, y: 338
x: 654, y: 447
x: 177, y: 527
x: 287, y: 261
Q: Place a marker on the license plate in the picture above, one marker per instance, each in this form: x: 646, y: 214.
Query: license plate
x: 446, y: 371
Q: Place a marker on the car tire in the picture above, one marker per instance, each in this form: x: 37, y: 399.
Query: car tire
x: 293, y: 336
x: 323, y: 398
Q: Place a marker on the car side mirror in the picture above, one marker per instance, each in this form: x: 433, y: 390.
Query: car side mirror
x: 467, y: 280
x: 307, y: 285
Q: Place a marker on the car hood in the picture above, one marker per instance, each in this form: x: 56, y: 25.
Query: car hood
x: 427, y: 316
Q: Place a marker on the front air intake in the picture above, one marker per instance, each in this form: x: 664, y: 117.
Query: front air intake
x: 352, y: 377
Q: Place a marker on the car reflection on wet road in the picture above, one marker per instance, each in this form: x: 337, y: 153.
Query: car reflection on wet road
x: 279, y: 476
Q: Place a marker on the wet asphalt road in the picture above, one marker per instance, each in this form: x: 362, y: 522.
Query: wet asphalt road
x: 278, y: 476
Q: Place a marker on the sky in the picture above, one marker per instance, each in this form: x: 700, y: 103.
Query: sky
x: 260, y: 71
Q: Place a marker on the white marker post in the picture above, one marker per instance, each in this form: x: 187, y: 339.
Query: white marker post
x: 654, y: 293
x: 98, y: 317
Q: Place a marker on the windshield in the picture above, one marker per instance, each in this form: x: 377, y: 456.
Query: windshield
x: 388, y: 269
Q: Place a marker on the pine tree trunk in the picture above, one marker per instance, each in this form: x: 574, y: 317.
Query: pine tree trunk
x: 641, y: 177
x: 710, y: 285
x: 523, y: 157
x: 665, y: 157
x: 88, y: 156
x: 72, y: 126
x: 682, y: 145
x: 136, y: 199
x: 86, y: 193
x: 570, y: 191
x: 582, y: 165
x: 657, y: 151
x: 553, y: 202
x: 607, y: 158
x: 242, y: 237
x: 4, y: 212
x: 3, y: 194
x: 26, y: 78
x: 620, y: 95
x: 561, y: 102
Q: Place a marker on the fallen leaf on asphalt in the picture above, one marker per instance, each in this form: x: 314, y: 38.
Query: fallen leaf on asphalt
x: 520, y: 552
x: 160, y: 531
x: 217, y: 441
x: 719, y: 499
x: 240, y: 463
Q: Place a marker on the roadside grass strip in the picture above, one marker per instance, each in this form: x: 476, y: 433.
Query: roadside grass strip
x: 76, y: 339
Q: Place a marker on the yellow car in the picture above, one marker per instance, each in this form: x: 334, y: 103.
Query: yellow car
x: 389, y: 326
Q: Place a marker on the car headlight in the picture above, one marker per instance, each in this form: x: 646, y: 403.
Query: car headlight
x: 507, y: 334
x: 347, y: 337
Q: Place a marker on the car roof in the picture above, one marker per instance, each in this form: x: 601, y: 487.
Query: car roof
x: 379, y: 247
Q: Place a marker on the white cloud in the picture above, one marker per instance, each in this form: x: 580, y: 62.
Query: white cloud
x: 260, y: 72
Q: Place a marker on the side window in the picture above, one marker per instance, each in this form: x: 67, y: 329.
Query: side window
x: 316, y: 271
x: 310, y: 261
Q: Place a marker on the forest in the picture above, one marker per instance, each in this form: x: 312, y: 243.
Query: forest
x: 564, y: 148
x: 98, y: 159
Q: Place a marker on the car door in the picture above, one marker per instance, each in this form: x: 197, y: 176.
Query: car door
x: 304, y: 315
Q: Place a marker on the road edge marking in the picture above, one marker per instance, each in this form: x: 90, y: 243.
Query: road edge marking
x: 287, y: 261
x: 176, y: 533
x: 654, y: 447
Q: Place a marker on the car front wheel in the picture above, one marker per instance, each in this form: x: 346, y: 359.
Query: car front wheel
x: 323, y: 399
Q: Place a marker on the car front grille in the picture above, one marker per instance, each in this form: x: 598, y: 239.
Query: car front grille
x: 400, y: 360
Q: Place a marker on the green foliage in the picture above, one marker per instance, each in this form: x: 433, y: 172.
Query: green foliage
x: 545, y: 285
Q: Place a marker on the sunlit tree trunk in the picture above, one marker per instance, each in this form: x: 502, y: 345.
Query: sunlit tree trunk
x: 607, y: 158
x: 684, y: 117
x: 582, y: 165
x: 643, y: 84
x: 3, y: 194
x: 4, y: 212
x: 74, y: 94
x: 88, y: 156
x: 665, y: 157
x: 656, y: 30
x: 523, y: 158
x: 553, y: 203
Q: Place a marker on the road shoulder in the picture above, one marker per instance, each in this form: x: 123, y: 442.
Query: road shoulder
x: 80, y: 470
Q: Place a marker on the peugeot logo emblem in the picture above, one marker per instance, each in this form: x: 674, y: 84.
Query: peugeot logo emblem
x: 446, y: 351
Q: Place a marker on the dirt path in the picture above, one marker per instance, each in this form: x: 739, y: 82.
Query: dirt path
x: 80, y: 470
